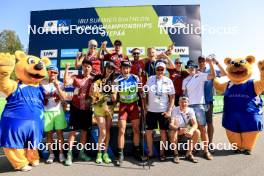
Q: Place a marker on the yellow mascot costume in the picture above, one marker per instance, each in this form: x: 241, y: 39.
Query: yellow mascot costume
x: 242, y: 114
x: 21, y: 124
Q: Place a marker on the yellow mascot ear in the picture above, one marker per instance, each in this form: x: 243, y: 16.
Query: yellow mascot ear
x: 46, y: 61
x: 227, y: 60
x: 20, y: 55
x: 250, y: 59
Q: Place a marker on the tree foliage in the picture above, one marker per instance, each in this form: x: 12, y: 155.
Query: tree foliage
x: 9, y: 42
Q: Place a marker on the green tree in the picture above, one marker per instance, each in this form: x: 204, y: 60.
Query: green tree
x: 9, y: 42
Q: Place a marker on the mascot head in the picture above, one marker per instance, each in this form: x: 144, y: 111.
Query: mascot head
x: 30, y: 69
x: 239, y: 70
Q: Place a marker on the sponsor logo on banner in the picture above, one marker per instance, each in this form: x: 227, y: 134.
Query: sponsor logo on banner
x: 65, y: 61
x: 84, y: 50
x: 160, y: 49
x: 54, y: 62
x: 172, y: 21
x: 129, y: 50
x: 53, y: 53
x: 181, y: 50
x: 165, y: 21
x: 69, y: 52
x: 57, y: 25
x: 179, y: 21
x: 71, y: 72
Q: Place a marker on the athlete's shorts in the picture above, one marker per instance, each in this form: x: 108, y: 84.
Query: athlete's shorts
x: 209, y: 113
x: 153, y: 118
x: 128, y: 111
x: 54, y: 120
x: 80, y: 119
x: 99, y: 110
x: 199, y: 110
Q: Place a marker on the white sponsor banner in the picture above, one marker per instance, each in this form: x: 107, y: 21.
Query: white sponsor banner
x: 129, y: 50
x: 56, y: 25
x: 160, y: 49
x: 165, y: 21
x: 71, y: 72
x: 181, y: 50
x: 51, y: 25
x: 172, y: 21
x: 53, y: 53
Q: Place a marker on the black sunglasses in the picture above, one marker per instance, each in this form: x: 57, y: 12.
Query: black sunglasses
x: 136, y: 54
x: 178, y: 62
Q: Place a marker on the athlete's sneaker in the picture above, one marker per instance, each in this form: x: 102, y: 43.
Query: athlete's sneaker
x: 84, y: 157
x: 26, y: 168
x: 119, y: 161
x: 68, y: 161
x: 106, y: 158
x: 50, y: 159
x: 99, y: 159
x: 61, y: 158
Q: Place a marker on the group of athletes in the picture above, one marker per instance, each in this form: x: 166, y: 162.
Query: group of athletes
x: 180, y: 105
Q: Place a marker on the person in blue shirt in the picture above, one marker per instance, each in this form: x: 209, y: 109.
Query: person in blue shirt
x: 209, y: 94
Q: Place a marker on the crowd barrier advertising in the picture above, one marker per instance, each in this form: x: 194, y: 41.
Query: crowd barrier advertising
x: 60, y: 34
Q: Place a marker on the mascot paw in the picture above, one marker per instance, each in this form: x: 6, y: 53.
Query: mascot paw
x: 261, y: 65
x: 7, y: 63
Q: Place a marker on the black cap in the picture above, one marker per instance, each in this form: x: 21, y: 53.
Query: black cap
x: 118, y: 42
x: 191, y: 64
x: 126, y: 64
x: 110, y: 64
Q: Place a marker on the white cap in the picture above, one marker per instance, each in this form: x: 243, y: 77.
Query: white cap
x: 160, y: 64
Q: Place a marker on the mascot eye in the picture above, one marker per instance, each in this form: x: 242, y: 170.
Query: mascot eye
x: 243, y: 61
x: 232, y: 62
x: 31, y: 61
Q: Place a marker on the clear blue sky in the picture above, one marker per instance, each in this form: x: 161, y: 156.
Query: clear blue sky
x: 246, y: 16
